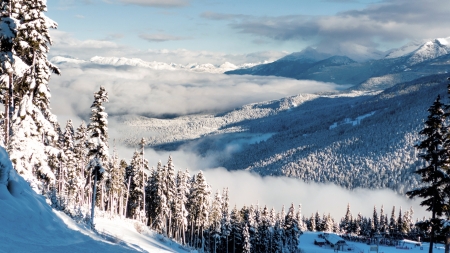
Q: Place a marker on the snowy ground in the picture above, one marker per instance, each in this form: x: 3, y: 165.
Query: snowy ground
x: 307, y: 245
x: 28, y: 224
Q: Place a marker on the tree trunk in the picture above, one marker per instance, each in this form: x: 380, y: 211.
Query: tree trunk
x: 93, y: 200
x: 11, y: 104
x: 128, y: 194
x: 447, y: 243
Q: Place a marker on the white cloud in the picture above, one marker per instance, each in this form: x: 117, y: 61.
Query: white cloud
x: 134, y: 90
x: 379, y: 24
x: 160, y: 37
x: 158, y: 3
x: 64, y: 44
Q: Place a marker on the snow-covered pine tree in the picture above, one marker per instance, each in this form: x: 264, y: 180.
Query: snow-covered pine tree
x: 74, y: 180
x: 382, y: 221
x: 236, y: 230
x: 225, y: 222
x: 312, y: 223
x: 264, y: 230
x: 8, y: 33
x: 434, y: 173
x: 299, y: 218
x: 344, y: 225
x: 400, y: 223
x: 393, y: 223
x: 33, y: 125
x: 170, y: 191
x: 199, y: 208
x: 278, y: 235
x: 358, y: 224
x: 252, y: 224
x: 215, y: 216
x: 97, y: 145
x: 157, y: 202
x: 117, y: 189
x: 181, y: 213
x: 375, y: 220
x: 291, y: 231
x: 80, y: 153
x: 137, y: 186
x: 98, y: 128
x: 247, y: 247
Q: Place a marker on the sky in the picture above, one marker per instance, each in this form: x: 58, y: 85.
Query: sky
x: 217, y: 30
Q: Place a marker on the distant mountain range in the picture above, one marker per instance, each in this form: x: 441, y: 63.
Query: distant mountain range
x: 122, y: 61
x: 399, y: 65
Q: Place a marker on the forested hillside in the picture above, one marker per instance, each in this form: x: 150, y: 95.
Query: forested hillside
x: 351, y: 139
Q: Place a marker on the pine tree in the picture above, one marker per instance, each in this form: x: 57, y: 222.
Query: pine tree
x: 382, y: 221
x: 225, y: 221
x: 434, y: 173
x: 170, y: 192
x: 80, y: 152
x: 393, y: 223
x: 199, y: 208
x: 117, y: 189
x: 98, y: 128
x: 33, y: 136
x: 247, y: 247
x: 236, y: 230
x: 180, y: 212
x: 312, y: 223
x: 345, y: 224
x: 291, y: 229
x: 376, y: 221
x: 400, y: 223
x: 215, y: 216
x: 74, y: 180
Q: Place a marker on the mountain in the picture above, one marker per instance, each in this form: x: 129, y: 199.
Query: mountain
x: 353, y: 139
x: 309, y: 54
x: 122, y: 61
x: 401, y: 65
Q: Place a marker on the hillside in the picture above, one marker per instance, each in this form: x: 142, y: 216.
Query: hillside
x: 400, y: 65
x: 352, y: 139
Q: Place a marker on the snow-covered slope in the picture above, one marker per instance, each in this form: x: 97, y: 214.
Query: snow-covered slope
x: 295, y: 138
x: 429, y: 50
x: 28, y: 224
x: 122, y: 61
x: 404, y: 50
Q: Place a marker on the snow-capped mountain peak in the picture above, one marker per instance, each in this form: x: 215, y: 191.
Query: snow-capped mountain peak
x: 429, y: 50
x: 122, y: 61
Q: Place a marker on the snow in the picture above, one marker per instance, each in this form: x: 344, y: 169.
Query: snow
x: 429, y: 50
x: 122, y: 61
x: 406, y: 246
x: 349, y: 121
x: 28, y: 224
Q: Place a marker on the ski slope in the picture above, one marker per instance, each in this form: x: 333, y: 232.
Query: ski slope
x: 29, y: 225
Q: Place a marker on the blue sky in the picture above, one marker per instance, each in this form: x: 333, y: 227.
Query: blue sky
x: 249, y: 26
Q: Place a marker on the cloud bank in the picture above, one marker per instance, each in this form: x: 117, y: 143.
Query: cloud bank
x: 158, y: 93
x: 383, y: 23
x: 64, y: 44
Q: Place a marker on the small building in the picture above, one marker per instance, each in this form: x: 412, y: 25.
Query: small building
x: 334, y: 240
x: 319, y: 241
